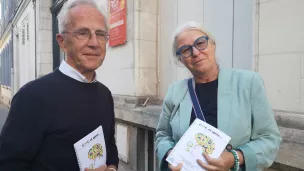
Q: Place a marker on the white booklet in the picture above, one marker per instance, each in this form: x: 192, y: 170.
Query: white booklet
x: 198, y: 139
x: 91, y: 150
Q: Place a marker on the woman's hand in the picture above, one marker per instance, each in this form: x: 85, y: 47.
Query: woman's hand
x: 223, y: 163
x: 177, y: 168
x: 102, y: 168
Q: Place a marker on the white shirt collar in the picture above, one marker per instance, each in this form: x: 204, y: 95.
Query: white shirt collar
x: 69, y: 71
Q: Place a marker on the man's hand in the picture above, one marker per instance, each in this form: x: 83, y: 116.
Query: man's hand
x: 111, y: 168
x: 102, y: 168
x: 177, y: 168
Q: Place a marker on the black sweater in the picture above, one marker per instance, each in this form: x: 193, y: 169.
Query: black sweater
x: 48, y: 116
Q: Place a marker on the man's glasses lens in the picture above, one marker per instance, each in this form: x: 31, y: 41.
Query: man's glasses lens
x: 83, y: 35
x: 86, y: 34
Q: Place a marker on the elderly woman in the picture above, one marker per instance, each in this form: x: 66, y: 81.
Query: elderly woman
x: 232, y: 100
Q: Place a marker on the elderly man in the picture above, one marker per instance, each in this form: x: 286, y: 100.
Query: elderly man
x: 50, y: 114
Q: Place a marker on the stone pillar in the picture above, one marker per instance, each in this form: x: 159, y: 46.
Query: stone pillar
x: 145, y: 47
x: 44, y: 37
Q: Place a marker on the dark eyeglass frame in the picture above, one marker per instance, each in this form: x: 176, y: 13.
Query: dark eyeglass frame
x: 179, y: 51
x: 77, y: 34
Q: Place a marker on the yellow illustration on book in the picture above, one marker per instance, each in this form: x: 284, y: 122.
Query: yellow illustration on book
x: 95, y: 152
x: 206, y: 143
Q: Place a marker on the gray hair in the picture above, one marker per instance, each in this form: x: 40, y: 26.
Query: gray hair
x: 68, y: 5
x: 191, y: 25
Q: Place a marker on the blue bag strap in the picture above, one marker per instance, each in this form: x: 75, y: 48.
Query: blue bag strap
x: 196, y: 106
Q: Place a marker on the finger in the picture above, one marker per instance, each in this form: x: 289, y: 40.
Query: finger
x: 206, y: 166
x: 100, y: 168
x: 177, y: 168
x: 210, y: 160
x: 171, y: 167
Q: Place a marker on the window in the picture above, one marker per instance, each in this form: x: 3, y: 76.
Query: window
x: 27, y: 31
x: 23, y: 35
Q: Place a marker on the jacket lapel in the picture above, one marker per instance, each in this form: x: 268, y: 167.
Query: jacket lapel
x: 224, y: 100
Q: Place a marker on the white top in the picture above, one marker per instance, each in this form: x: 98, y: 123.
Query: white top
x: 69, y: 71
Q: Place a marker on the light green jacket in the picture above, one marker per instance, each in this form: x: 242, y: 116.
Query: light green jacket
x: 244, y: 114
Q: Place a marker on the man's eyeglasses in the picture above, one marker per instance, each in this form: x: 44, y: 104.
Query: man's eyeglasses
x: 86, y: 34
x: 186, y: 51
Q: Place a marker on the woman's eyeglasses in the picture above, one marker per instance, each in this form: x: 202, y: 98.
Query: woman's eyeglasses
x: 186, y: 51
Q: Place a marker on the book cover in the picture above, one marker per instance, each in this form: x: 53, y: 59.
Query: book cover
x: 198, y: 139
x: 91, y: 150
